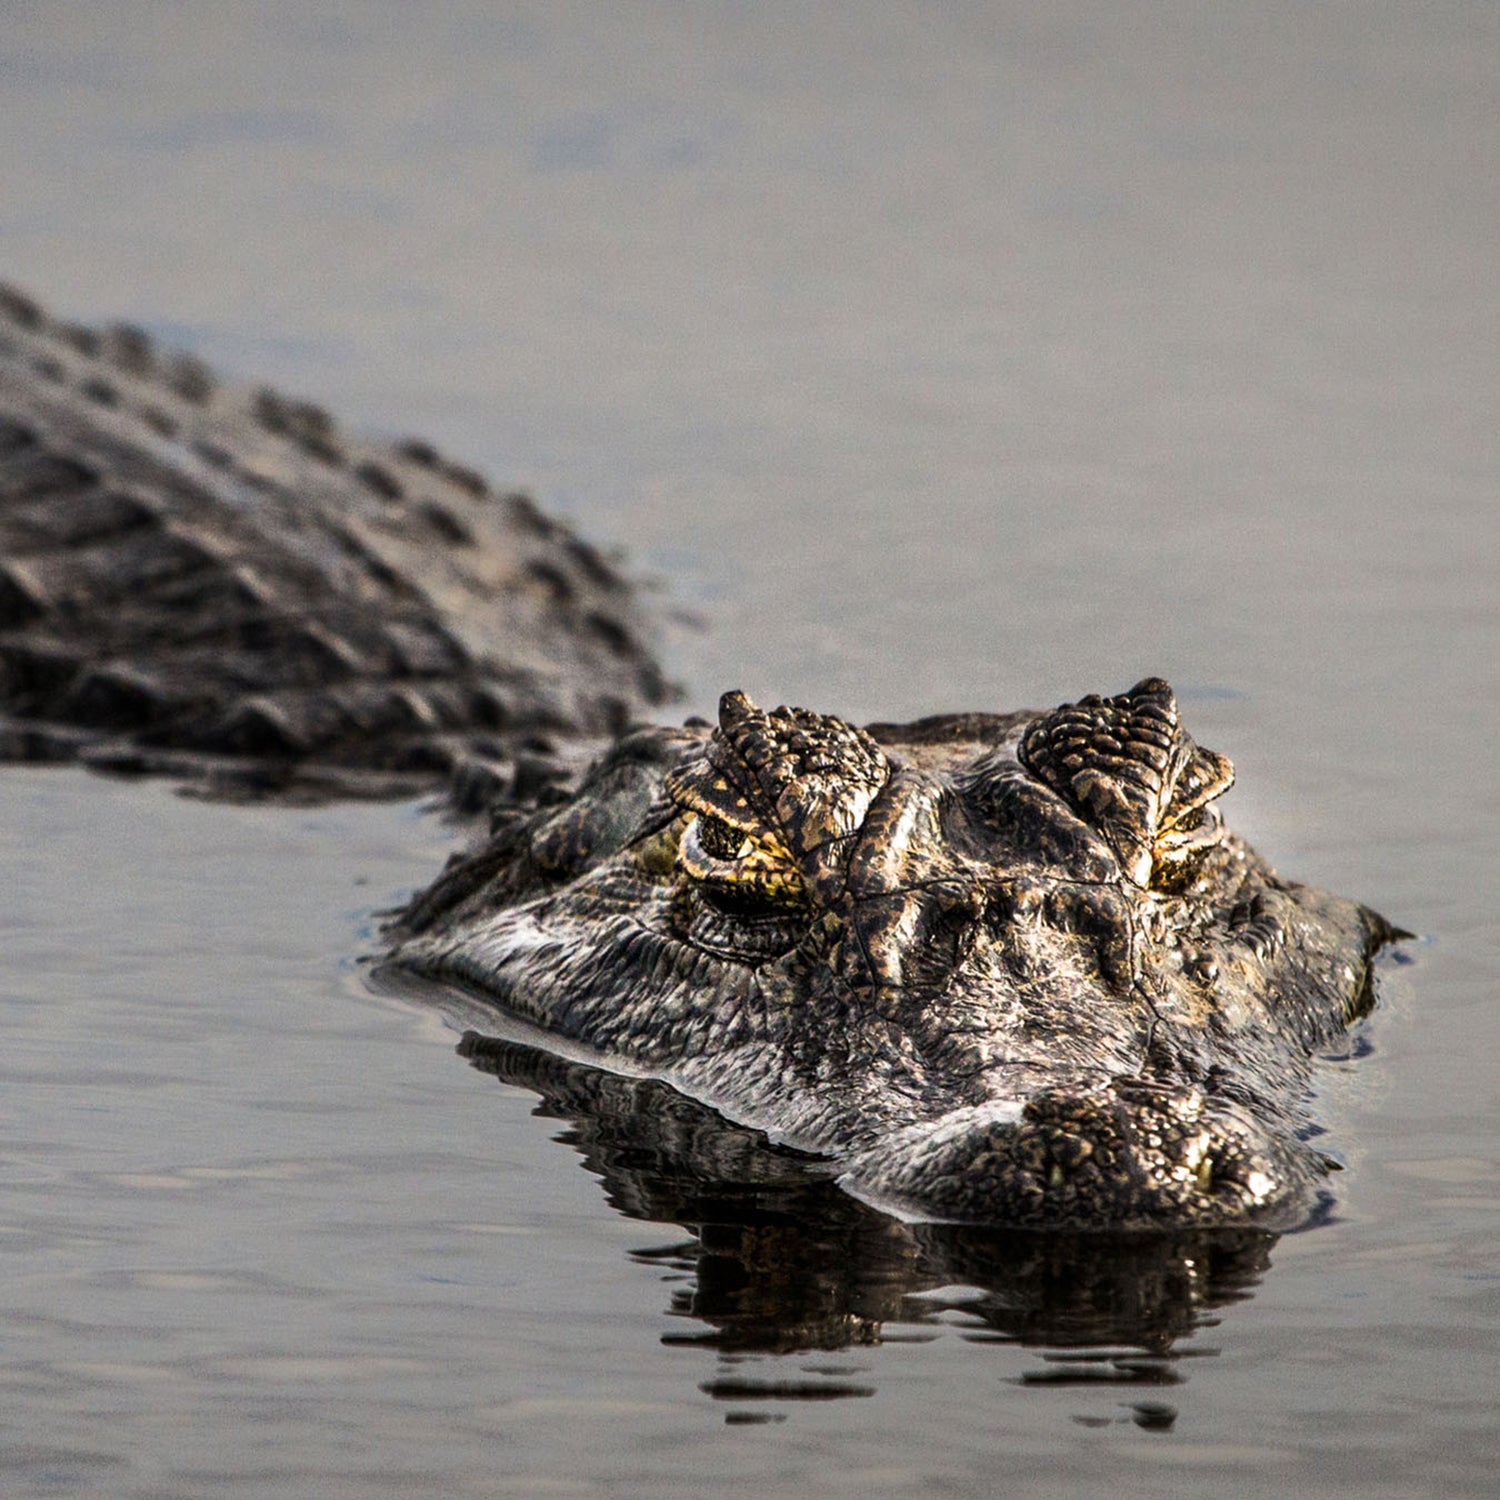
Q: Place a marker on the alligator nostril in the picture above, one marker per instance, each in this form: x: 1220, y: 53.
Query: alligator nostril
x: 1070, y: 1151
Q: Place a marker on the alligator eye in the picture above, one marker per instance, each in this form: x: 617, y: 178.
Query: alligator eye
x: 720, y: 839
x: 746, y: 869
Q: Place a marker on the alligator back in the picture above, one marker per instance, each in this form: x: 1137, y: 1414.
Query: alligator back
x: 219, y: 581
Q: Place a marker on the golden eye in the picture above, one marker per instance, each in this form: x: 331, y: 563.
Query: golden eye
x: 719, y: 839
x: 728, y: 865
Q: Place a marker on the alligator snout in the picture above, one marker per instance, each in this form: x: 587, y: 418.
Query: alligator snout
x: 1123, y: 1153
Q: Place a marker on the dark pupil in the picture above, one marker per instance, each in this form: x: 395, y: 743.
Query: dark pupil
x: 718, y: 838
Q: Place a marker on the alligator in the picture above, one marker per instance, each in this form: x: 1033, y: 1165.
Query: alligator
x: 221, y: 584
x: 999, y: 969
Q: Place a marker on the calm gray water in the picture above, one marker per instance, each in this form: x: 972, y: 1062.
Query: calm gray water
x: 938, y: 356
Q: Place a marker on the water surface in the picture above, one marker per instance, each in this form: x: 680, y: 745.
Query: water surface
x: 938, y: 357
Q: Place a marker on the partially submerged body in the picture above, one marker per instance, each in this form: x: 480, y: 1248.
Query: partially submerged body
x: 1004, y: 969
x: 222, y: 584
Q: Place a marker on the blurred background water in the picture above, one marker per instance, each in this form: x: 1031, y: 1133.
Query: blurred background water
x: 934, y: 356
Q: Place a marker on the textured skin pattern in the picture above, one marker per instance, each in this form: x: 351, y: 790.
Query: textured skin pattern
x: 1001, y: 969
x: 214, y: 580
x: 1126, y: 765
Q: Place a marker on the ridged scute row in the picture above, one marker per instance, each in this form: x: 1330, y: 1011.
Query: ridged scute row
x: 211, y: 579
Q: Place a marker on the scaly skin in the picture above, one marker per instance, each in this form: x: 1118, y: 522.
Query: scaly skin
x: 1006, y: 970
x: 220, y: 583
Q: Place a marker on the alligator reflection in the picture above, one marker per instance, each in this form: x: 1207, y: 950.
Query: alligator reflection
x: 783, y: 1260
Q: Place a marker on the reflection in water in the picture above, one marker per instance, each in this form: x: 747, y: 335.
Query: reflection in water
x: 781, y: 1260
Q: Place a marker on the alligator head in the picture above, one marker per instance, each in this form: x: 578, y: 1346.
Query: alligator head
x: 1000, y: 969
